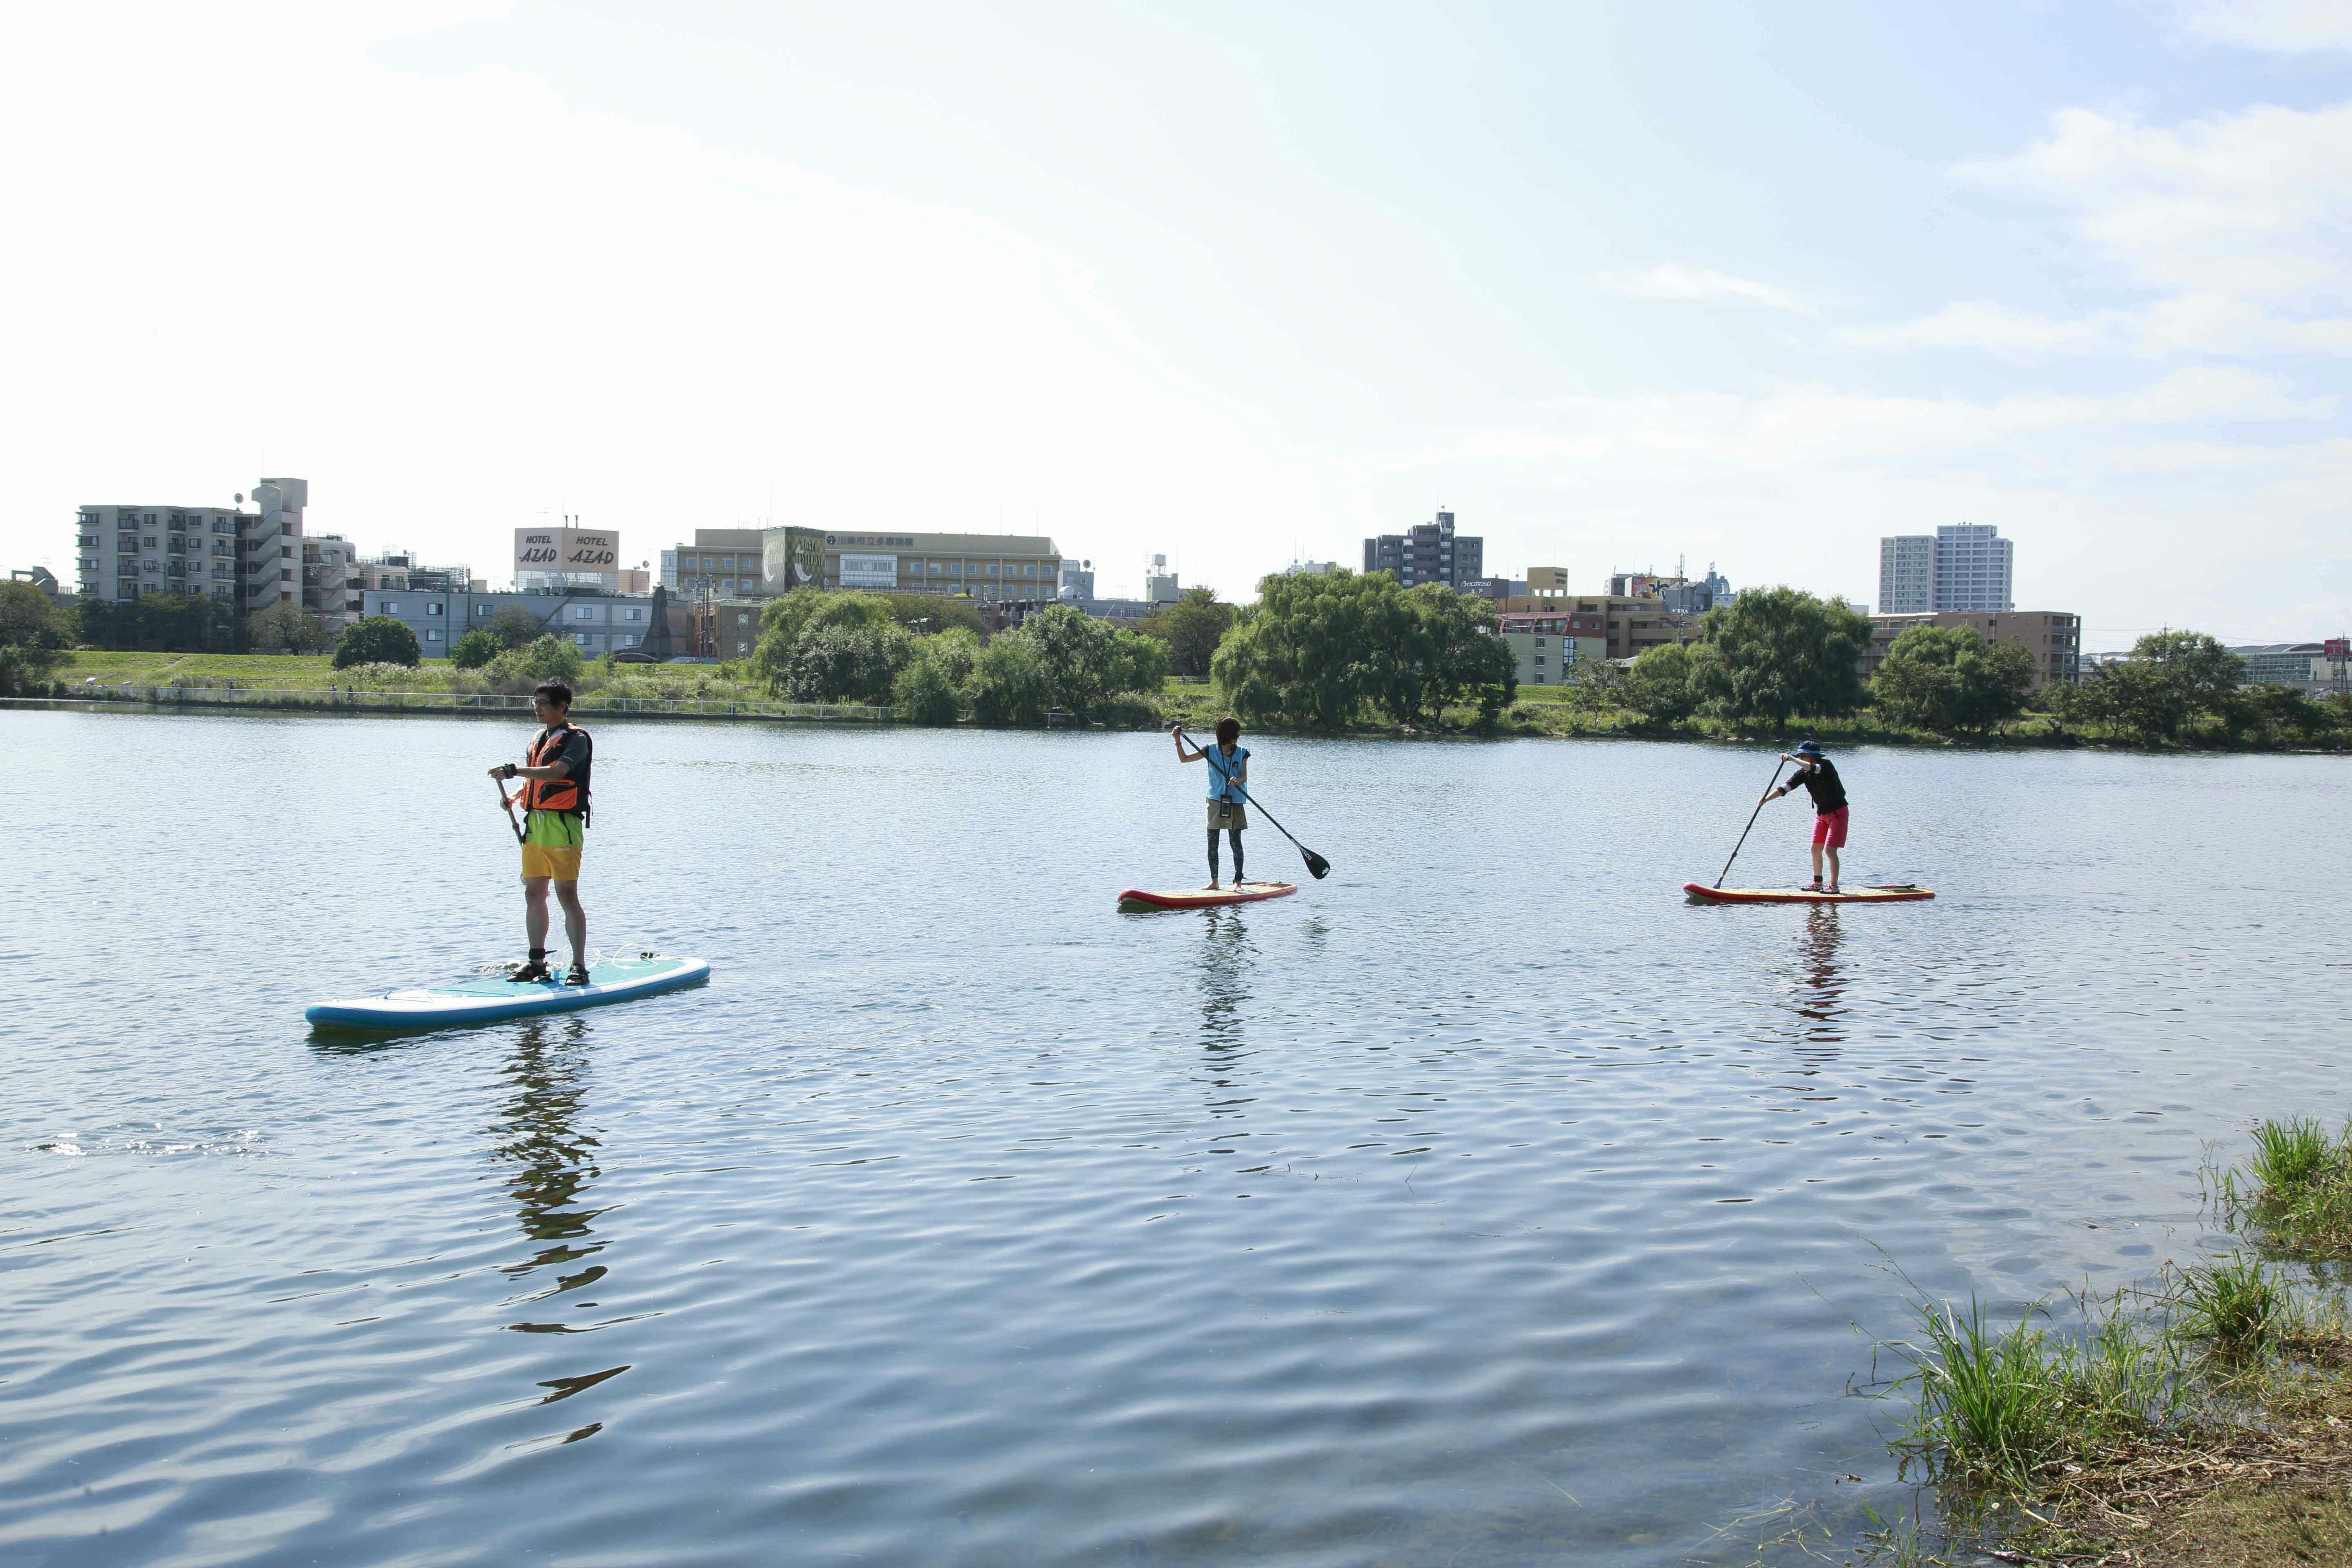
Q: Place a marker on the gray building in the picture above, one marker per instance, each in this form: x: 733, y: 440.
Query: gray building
x: 594, y: 623
x: 249, y: 559
x: 1429, y: 552
x: 1966, y: 568
x: 1078, y: 580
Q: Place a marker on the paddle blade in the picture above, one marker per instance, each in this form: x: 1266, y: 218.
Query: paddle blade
x: 1316, y: 867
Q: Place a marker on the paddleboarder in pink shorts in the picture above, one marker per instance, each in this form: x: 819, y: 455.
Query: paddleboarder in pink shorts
x: 1818, y: 777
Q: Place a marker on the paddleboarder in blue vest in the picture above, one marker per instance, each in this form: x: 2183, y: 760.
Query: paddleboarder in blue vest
x: 555, y: 801
x: 1228, y: 762
x: 1817, y: 776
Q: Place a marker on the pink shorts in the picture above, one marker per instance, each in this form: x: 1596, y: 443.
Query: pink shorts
x: 1829, y: 827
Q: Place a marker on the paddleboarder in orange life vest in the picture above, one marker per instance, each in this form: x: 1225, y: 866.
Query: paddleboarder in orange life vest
x: 555, y: 801
x: 1817, y: 776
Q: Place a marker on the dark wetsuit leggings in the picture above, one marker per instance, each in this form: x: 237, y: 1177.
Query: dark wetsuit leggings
x: 1235, y: 834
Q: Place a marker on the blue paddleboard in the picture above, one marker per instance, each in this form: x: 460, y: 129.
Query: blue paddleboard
x: 491, y: 997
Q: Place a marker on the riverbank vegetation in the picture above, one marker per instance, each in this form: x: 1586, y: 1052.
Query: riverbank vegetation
x: 2202, y: 1421
x: 1336, y: 652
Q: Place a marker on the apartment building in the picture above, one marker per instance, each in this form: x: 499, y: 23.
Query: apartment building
x: 1964, y: 566
x: 2052, y: 637
x: 1428, y: 552
x: 249, y: 559
x: 595, y: 624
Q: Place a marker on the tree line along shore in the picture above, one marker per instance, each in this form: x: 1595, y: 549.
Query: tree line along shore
x: 1338, y: 652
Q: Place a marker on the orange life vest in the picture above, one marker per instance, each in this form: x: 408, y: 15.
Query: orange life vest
x: 558, y: 794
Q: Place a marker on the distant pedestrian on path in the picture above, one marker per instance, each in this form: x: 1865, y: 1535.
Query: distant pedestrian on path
x: 1818, y: 777
x: 1228, y: 762
x: 555, y: 801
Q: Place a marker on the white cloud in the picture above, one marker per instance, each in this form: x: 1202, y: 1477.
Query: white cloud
x: 2235, y: 226
x: 1670, y: 281
x: 2286, y: 26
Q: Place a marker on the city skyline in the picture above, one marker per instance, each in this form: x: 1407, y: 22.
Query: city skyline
x: 1190, y: 281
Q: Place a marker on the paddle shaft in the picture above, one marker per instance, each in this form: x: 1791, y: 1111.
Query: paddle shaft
x: 507, y: 802
x: 1777, y: 766
x: 1232, y: 783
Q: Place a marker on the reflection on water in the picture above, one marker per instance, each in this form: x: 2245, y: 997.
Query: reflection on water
x: 1483, y: 1204
x: 1227, y: 957
x: 539, y: 1130
x: 1819, y: 994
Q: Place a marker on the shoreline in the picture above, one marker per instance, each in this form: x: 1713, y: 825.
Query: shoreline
x: 372, y: 701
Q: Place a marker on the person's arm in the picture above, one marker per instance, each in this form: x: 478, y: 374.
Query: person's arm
x: 558, y: 770
x: 1177, y: 735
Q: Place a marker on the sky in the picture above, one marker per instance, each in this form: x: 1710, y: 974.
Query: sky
x: 1620, y: 285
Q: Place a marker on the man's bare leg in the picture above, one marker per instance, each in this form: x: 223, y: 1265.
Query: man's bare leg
x: 534, y: 911
x: 1817, y: 865
x: 575, y: 922
x: 1833, y: 867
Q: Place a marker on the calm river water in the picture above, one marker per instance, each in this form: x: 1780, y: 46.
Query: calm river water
x: 1483, y: 1204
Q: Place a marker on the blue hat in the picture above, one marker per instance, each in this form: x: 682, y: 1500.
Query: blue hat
x: 1809, y: 748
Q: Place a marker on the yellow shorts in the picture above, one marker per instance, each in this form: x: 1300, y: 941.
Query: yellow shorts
x: 551, y: 842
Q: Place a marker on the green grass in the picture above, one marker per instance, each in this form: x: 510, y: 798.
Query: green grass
x: 2291, y: 1155
x: 261, y: 669
x: 2237, y: 1305
x: 2294, y: 1191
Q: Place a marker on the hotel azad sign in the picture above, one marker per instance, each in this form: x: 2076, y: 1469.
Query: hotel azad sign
x: 568, y: 551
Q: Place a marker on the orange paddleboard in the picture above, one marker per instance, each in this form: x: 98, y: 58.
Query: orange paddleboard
x: 1137, y: 900
x: 1888, y: 893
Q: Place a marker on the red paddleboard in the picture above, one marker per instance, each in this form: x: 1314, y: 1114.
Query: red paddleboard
x: 1889, y: 893
x: 1136, y: 901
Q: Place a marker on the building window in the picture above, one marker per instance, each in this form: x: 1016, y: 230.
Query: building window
x: 635, y: 615
x: 580, y: 637
x: 433, y: 610
x: 391, y: 608
x: 581, y: 613
x: 433, y: 634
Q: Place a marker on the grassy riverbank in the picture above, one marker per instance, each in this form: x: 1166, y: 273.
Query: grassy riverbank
x: 2204, y: 1421
x: 316, y: 672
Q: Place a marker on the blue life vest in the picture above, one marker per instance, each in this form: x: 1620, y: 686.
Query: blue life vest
x: 1217, y: 759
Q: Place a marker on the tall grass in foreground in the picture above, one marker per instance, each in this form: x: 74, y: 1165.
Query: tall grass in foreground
x: 1994, y: 1407
x: 2294, y: 1191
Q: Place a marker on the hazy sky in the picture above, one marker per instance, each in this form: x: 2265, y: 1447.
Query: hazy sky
x: 1616, y: 282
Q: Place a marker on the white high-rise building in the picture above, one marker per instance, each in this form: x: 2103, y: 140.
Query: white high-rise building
x: 1965, y: 566
x: 1906, y: 574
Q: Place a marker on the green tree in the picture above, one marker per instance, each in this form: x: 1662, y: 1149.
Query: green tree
x: 1428, y: 649
x: 548, y: 657
x: 1780, y: 652
x: 930, y: 614
x: 1137, y: 663
x: 474, y: 649
x: 1659, y: 686
x: 1008, y: 683
x: 1077, y: 655
x: 925, y: 693
x: 2171, y: 679
x: 2275, y: 715
x: 514, y: 627
x: 955, y: 651
x: 1191, y: 627
x: 1950, y: 680
x: 1299, y: 655
x: 286, y: 627
x: 803, y: 612
x: 377, y: 640
x: 34, y: 637
x: 846, y: 660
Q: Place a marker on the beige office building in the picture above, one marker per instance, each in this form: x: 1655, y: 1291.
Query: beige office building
x: 248, y: 559
x: 2054, y: 637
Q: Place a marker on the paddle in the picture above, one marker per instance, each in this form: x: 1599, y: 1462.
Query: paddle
x: 1776, y: 765
x: 505, y: 800
x: 1316, y: 867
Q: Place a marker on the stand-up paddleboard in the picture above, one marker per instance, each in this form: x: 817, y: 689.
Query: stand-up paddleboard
x: 1888, y: 893
x: 1136, y: 901
x: 493, y: 997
